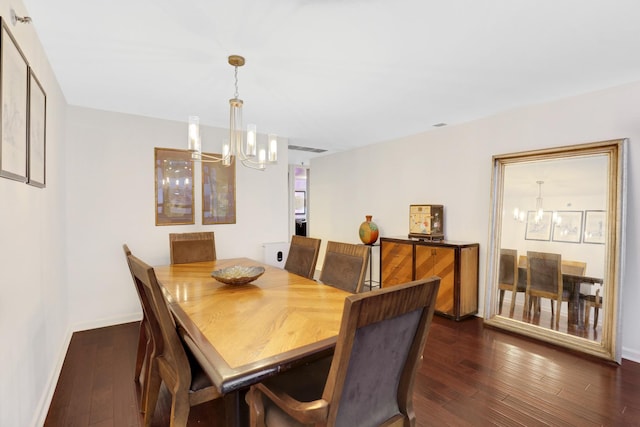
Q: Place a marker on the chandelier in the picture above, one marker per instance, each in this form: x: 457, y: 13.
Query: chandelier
x: 520, y: 215
x: 248, y: 151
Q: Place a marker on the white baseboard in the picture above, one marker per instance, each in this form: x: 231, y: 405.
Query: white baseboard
x: 631, y: 354
x: 101, y: 323
x: 41, y: 414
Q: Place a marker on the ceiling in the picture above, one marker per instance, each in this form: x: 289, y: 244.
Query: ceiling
x: 335, y: 74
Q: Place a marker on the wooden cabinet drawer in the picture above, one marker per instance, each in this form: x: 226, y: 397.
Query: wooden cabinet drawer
x: 403, y: 260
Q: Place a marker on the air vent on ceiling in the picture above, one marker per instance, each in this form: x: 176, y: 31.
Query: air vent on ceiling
x: 313, y: 150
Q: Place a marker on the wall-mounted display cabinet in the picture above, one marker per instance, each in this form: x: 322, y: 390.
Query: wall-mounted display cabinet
x: 456, y: 263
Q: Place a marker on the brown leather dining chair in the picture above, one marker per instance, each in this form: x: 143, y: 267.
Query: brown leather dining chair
x: 508, y: 278
x: 192, y: 247
x: 369, y: 379
x: 145, y: 340
x: 544, y: 280
x: 303, y: 256
x: 170, y: 362
x: 345, y: 266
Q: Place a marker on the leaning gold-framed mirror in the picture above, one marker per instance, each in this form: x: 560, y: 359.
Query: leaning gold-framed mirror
x: 556, y: 243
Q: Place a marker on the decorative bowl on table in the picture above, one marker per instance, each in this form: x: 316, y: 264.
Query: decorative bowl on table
x: 238, y: 274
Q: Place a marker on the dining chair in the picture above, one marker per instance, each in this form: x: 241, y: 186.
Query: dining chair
x: 303, y: 256
x: 145, y: 340
x: 591, y: 301
x: 344, y: 266
x: 508, y: 278
x: 171, y: 362
x: 369, y: 379
x: 576, y: 268
x: 192, y: 247
x: 544, y: 280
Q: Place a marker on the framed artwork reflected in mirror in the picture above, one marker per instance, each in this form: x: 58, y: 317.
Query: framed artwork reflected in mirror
x: 567, y: 226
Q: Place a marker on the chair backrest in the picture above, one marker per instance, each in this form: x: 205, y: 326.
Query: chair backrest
x: 576, y: 268
x: 544, y: 274
x: 142, y: 296
x: 379, y: 349
x: 508, y: 267
x: 303, y: 256
x: 345, y: 266
x: 192, y: 247
x: 168, y: 345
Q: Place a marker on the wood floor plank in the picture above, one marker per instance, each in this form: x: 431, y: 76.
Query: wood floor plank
x: 470, y: 376
x: 126, y: 409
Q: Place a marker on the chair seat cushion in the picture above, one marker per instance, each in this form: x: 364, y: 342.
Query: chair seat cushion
x: 199, y: 379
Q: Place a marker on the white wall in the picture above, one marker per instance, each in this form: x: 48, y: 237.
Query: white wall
x: 110, y: 172
x: 33, y: 307
x: 452, y: 166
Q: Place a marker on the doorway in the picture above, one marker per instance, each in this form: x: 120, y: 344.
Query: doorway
x: 299, y: 199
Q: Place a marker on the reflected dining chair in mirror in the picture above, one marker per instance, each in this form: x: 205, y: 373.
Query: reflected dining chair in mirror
x: 575, y: 268
x: 192, y: 247
x: 171, y: 362
x: 145, y: 340
x: 591, y: 301
x: 345, y: 266
x: 303, y: 256
x: 369, y: 379
x: 508, y: 278
x: 544, y: 280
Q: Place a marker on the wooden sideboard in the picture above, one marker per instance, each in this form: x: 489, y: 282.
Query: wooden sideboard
x: 456, y: 263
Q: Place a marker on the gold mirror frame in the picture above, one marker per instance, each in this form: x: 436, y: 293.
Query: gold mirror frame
x: 609, y: 347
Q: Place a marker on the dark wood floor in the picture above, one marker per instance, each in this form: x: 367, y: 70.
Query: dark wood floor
x: 471, y: 376
x: 544, y: 319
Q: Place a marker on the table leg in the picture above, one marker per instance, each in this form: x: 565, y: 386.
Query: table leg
x: 574, y: 317
x: 236, y: 409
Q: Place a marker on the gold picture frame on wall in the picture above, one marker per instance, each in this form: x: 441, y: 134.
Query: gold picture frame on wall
x: 174, y: 187
x: 218, y: 192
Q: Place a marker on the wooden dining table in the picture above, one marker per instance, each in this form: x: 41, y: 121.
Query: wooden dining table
x: 242, y: 334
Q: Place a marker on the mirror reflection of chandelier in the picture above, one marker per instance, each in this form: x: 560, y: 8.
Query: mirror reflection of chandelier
x: 248, y: 151
x: 520, y: 214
